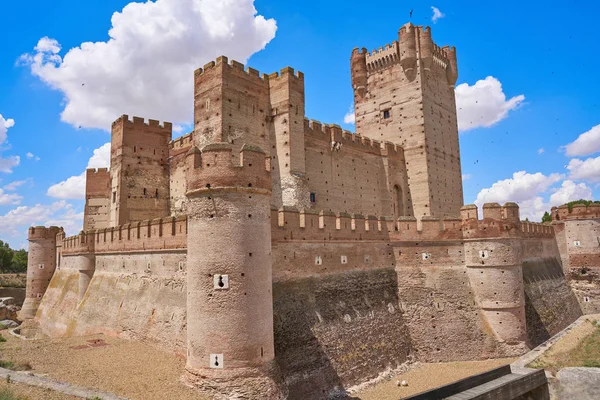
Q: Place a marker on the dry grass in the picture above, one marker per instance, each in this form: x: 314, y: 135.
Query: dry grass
x: 429, y: 376
x: 580, y: 348
x: 129, y: 369
x: 13, y: 280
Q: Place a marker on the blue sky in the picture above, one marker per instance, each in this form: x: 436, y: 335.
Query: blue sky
x: 56, y: 110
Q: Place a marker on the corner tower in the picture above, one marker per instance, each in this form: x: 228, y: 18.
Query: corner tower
x: 41, y: 264
x: 404, y: 93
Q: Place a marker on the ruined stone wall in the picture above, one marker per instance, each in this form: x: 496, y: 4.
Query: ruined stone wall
x: 139, y: 170
x: 97, y: 199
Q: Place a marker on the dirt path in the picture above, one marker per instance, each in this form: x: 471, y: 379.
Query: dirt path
x: 127, y: 368
x: 428, y: 376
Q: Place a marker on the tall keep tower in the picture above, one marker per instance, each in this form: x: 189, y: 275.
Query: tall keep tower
x: 404, y: 93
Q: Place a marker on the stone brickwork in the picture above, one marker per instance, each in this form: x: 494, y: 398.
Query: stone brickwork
x: 285, y: 258
x: 97, y: 199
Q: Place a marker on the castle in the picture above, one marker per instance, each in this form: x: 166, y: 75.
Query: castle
x: 284, y: 258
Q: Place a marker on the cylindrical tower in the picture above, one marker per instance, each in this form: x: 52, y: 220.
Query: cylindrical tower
x: 408, y: 47
x: 425, y: 47
x: 41, y: 263
x: 358, y: 68
x: 452, y: 67
x: 230, y: 346
x: 493, y: 257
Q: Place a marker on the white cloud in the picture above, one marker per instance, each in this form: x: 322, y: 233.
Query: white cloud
x: 524, y: 189
x: 14, y: 185
x: 350, y: 118
x: 483, y: 104
x: 587, y: 143
x: 588, y: 169
x: 437, y: 14
x: 7, y: 164
x: 570, y: 191
x: 4, y: 125
x: 74, y: 187
x: 60, y: 213
x: 541, y: 151
x: 9, y: 198
x: 146, y: 67
x: 30, y: 155
x: 466, y: 177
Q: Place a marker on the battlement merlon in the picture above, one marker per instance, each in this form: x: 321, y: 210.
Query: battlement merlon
x: 213, y: 168
x: 577, y: 211
x: 232, y: 65
x: 43, y: 233
x: 123, y: 120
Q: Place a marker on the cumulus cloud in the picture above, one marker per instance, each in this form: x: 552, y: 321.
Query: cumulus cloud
x: 9, y: 198
x: 74, y: 187
x: 570, y: 191
x: 437, y: 14
x: 588, y: 169
x: 60, y: 213
x: 350, y: 118
x: 529, y: 190
x: 146, y: 67
x: 523, y: 188
x: 7, y: 164
x: 14, y: 185
x: 587, y: 143
x: 483, y: 104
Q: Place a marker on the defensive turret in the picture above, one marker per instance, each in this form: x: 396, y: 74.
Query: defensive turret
x: 358, y: 68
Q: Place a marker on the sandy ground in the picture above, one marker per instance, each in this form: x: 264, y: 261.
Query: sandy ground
x: 26, y: 392
x: 127, y: 368
x: 428, y: 376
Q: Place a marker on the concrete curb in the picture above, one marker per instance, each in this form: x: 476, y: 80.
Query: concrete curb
x: 31, y: 379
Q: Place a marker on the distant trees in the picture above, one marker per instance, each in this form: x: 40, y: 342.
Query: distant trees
x: 548, y: 217
x: 11, y: 260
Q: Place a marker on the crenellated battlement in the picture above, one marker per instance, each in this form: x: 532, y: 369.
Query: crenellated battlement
x: 181, y: 142
x: 578, y: 211
x: 149, y: 235
x: 43, y: 233
x: 141, y: 122
x: 251, y: 72
x: 96, y: 171
x: 214, y: 169
x: 383, y: 57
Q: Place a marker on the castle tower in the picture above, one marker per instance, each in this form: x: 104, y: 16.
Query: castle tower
x: 288, y: 168
x: 97, y: 199
x: 404, y: 93
x: 231, y: 105
x: 139, y: 175
x: 229, y: 276
x: 493, y: 257
x: 41, y: 264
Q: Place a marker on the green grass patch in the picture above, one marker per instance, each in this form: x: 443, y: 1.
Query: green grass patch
x: 13, y: 280
x: 7, y: 394
x: 586, y: 354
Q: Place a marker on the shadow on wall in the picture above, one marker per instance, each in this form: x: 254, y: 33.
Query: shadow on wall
x: 550, y: 304
x: 336, y: 331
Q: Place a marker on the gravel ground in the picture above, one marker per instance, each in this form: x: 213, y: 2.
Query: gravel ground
x: 428, y: 376
x: 127, y: 368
